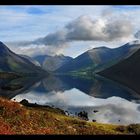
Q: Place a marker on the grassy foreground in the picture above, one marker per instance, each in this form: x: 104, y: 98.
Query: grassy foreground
x: 18, y: 119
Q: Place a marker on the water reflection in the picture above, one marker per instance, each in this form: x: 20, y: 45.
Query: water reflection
x: 114, y: 103
x: 11, y: 88
x: 98, y: 87
x: 111, y: 110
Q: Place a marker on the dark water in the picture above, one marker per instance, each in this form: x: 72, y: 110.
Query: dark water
x: 104, y: 101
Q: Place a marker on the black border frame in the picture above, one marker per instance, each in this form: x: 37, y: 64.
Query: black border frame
x: 68, y: 2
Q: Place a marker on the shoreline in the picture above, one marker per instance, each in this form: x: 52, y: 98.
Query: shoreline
x: 16, y: 118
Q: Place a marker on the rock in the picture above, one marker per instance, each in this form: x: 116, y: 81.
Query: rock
x: 95, y: 111
x: 24, y: 102
x: 93, y: 120
x: 66, y: 112
x: 83, y: 115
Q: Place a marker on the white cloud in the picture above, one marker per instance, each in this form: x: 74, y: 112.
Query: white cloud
x: 84, y: 28
x: 33, y: 50
x: 97, y: 23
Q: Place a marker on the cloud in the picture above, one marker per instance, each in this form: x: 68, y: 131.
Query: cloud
x: 56, y: 38
x: 27, y: 23
x: 86, y: 29
x: 106, y: 26
x: 32, y: 49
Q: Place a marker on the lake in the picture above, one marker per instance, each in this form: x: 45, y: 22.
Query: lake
x: 104, y: 100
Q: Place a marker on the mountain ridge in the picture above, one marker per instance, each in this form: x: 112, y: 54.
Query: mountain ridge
x: 12, y: 62
x: 98, y: 57
x: 126, y: 72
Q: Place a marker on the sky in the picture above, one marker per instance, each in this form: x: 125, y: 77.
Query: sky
x: 69, y: 30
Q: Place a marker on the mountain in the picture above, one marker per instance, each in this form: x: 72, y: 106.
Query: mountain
x: 99, y: 58
x: 9, y: 88
x: 40, y: 58
x: 126, y: 72
x: 52, y: 63
x: 11, y: 62
x: 35, y: 62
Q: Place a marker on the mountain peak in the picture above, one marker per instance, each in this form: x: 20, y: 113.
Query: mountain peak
x: 1, y: 44
x: 98, y: 48
x: 3, y: 48
x: 12, y: 62
x: 135, y: 42
x: 59, y: 55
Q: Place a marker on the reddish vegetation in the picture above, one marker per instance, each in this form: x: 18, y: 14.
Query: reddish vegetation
x: 17, y: 119
x: 5, y: 128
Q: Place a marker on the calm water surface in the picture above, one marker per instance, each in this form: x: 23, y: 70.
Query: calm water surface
x: 113, y: 102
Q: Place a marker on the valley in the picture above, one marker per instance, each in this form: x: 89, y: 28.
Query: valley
x: 69, y: 70
x: 54, y: 84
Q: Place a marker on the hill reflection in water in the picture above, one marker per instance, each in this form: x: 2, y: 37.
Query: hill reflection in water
x: 114, y: 103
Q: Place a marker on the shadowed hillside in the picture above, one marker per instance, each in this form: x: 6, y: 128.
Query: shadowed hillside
x: 126, y: 72
x: 12, y: 62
